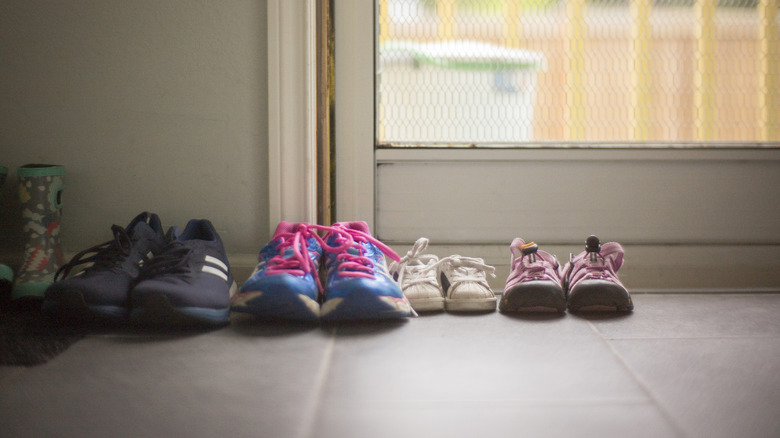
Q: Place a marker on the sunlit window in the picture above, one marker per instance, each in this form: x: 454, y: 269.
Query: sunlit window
x: 520, y: 72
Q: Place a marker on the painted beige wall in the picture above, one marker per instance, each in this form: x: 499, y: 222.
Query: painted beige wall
x: 155, y: 105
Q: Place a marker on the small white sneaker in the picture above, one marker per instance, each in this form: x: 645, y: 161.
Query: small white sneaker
x: 465, y: 284
x: 416, y: 275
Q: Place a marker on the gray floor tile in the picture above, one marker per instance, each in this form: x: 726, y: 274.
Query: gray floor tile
x: 431, y: 419
x: 480, y: 373
x: 685, y: 316
x: 704, y: 365
x: 727, y: 387
x: 248, y: 381
x: 490, y: 357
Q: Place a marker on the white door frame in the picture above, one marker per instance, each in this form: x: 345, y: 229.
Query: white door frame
x: 355, y: 123
x: 292, y: 111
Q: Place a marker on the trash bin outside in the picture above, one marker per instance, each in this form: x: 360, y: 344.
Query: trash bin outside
x: 456, y: 92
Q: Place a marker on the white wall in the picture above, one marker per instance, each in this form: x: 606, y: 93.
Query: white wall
x: 153, y: 105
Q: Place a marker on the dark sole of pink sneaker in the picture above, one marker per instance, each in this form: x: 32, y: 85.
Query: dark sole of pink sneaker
x: 533, y: 296
x: 599, y: 296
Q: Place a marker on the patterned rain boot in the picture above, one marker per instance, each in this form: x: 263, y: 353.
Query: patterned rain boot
x: 6, y: 273
x: 40, y: 192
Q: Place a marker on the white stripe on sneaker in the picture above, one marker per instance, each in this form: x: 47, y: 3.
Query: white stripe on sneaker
x: 214, y: 271
x: 215, y: 266
x: 216, y: 261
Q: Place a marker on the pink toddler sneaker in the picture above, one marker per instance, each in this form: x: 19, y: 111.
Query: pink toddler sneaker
x: 534, y: 284
x: 591, y: 282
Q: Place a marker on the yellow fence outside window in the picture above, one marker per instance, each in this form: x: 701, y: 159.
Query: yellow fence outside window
x: 509, y: 72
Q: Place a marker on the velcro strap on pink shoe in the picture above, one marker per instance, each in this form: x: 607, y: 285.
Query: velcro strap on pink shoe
x: 614, y: 252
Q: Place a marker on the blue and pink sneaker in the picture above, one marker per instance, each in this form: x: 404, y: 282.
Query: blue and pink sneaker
x: 534, y: 284
x: 358, y: 285
x: 591, y: 282
x: 285, y: 284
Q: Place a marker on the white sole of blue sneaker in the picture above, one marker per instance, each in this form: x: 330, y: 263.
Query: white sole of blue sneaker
x: 363, y: 304
x: 276, y: 305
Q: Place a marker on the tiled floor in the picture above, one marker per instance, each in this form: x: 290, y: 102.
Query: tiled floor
x: 680, y: 365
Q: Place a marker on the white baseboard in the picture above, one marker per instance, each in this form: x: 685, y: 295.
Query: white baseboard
x: 656, y: 268
x: 242, y: 266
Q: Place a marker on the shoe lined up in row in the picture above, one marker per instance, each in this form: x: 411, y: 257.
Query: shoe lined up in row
x: 454, y: 283
x: 588, y: 282
x: 147, y: 276
x: 286, y: 283
x: 153, y: 278
x: 314, y: 272
x: 536, y: 283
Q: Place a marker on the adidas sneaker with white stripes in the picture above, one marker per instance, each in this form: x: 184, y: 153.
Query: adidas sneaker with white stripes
x: 188, y: 283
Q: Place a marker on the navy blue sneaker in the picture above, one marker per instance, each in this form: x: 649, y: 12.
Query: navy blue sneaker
x: 101, y: 290
x: 358, y: 285
x: 285, y: 284
x: 188, y: 284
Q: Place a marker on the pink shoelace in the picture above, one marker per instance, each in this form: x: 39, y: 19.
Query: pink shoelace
x: 347, y: 236
x: 351, y: 235
x: 602, y: 265
x: 533, y: 267
x: 296, y: 239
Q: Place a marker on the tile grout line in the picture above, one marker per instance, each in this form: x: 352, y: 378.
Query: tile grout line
x: 642, y: 384
x: 312, y: 406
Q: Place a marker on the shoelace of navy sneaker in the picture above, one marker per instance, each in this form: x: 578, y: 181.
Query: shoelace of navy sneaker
x: 103, y: 256
x: 171, y: 260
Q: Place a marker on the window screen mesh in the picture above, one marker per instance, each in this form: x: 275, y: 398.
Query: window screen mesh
x: 534, y: 71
